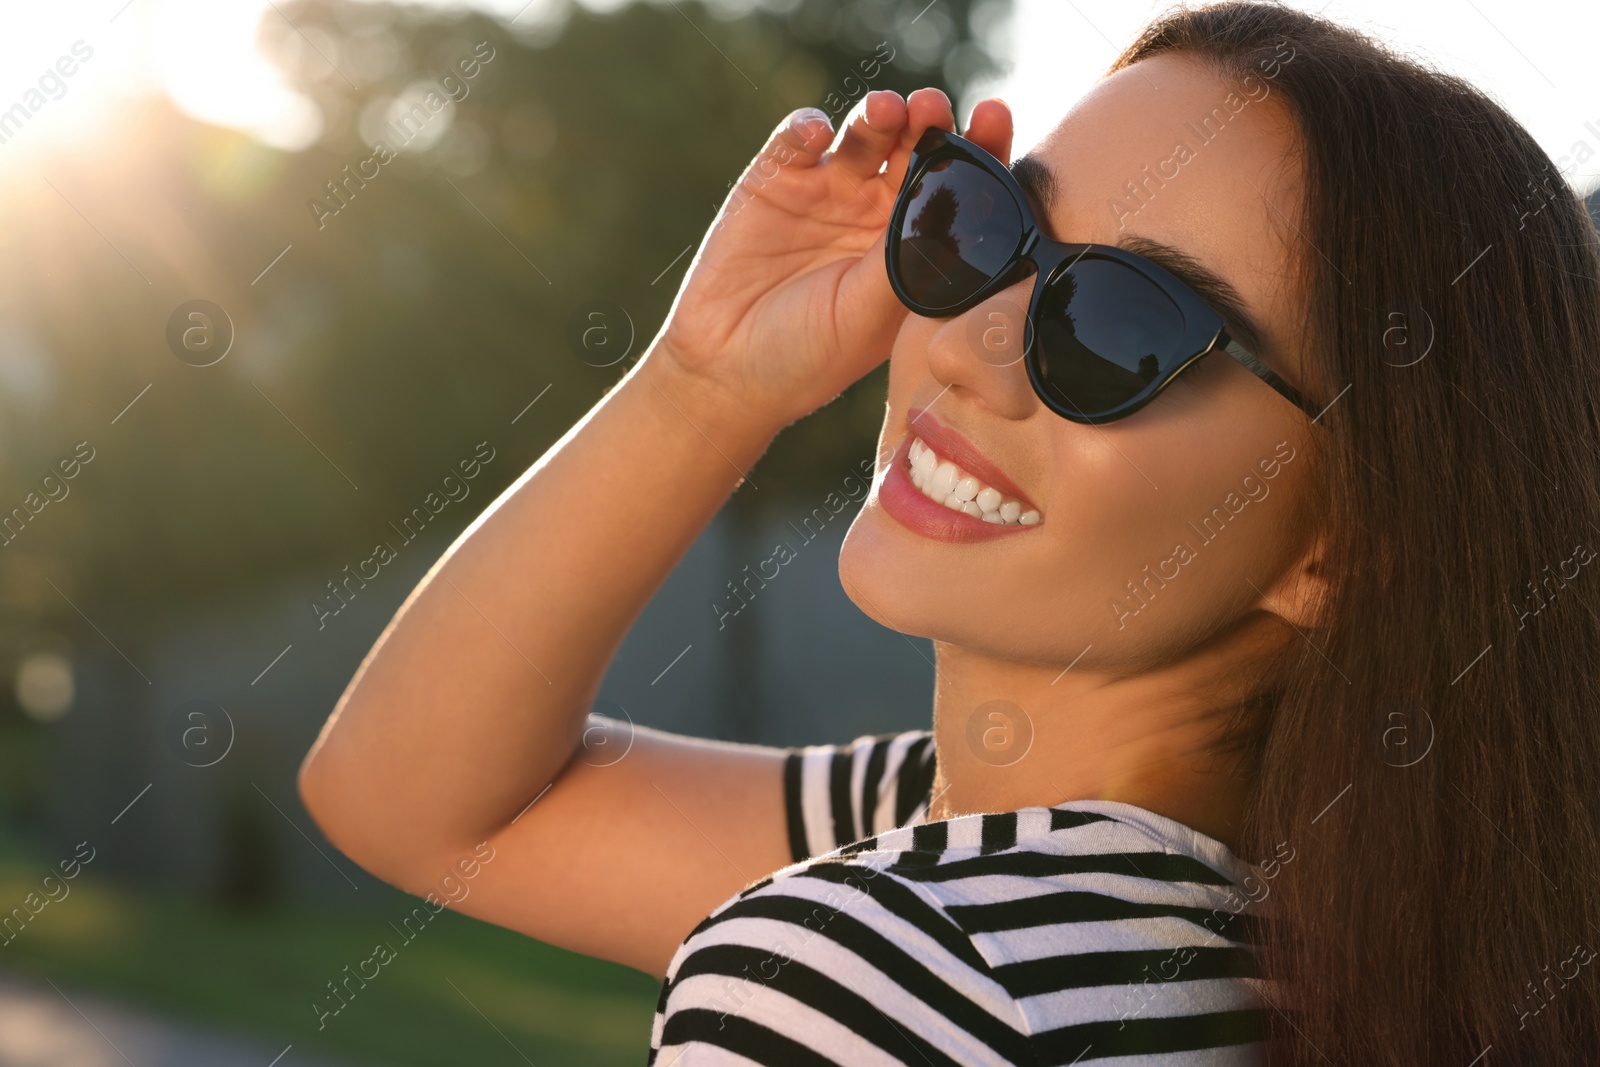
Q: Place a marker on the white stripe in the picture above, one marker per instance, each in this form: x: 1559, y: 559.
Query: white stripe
x: 899, y: 840
x: 860, y: 756
x: 816, y: 806
x: 1115, y: 935
x: 1137, y: 1000
x: 1032, y: 824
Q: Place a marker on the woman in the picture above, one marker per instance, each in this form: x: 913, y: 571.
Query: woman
x: 1254, y: 544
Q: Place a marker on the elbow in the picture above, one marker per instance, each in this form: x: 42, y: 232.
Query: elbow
x: 356, y: 815
x: 317, y: 785
x: 336, y: 810
x: 312, y: 785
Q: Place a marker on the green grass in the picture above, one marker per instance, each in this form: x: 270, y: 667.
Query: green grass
x: 258, y: 975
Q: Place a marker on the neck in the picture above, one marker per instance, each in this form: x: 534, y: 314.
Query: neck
x: 1012, y: 735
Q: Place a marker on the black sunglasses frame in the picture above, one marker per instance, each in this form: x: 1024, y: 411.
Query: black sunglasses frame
x: 1204, y: 331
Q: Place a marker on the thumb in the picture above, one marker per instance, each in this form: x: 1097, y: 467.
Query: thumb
x: 870, y: 315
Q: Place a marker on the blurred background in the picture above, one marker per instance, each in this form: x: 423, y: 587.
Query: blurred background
x: 244, y: 354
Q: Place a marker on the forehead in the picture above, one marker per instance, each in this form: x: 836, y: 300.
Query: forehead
x: 1169, y: 150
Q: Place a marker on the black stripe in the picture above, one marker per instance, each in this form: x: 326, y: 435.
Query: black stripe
x: 927, y: 845
x: 999, y: 831
x: 1030, y: 978
x: 904, y: 902
x: 812, y: 988
x: 900, y: 966
x: 915, y: 778
x: 751, y: 1040
x: 1061, y: 819
x: 870, y: 783
x: 866, y: 844
x: 793, y: 809
x: 1160, y: 866
x: 1139, y: 1034
x: 839, y: 765
x: 1077, y: 906
x: 929, y: 838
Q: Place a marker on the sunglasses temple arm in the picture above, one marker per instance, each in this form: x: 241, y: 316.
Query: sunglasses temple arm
x: 1266, y: 374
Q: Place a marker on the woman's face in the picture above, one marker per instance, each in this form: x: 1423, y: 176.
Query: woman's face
x: 1155, y: 531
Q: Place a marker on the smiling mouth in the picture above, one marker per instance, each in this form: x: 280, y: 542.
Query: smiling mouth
x: 942, y: 481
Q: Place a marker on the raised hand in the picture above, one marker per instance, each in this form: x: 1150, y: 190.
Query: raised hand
x: 787, y: 301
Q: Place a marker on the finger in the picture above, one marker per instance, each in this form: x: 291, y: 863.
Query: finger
x: 925, y: 109
x: 872, y: 133
x: 990, y: 127
x: 799, y: 141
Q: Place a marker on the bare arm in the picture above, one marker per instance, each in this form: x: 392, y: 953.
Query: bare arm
x: 472, y: 701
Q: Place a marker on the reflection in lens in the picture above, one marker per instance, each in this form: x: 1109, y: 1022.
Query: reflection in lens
x: 1104, y: 334
x: 959, y: 231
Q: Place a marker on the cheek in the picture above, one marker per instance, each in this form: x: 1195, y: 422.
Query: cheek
x: 1177, y: 525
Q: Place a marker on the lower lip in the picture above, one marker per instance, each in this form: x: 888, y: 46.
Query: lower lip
x: 922, y: 515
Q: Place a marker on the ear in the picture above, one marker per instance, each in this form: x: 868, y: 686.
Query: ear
x: 1298, y: 594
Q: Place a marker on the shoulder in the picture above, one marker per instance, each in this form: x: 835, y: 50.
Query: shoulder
x: 1022, y: 937
x: 842, y: 957
x: 1114, y: 929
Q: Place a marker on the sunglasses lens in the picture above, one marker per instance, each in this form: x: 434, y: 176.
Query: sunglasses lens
x: 958, y: 231
x: 1104, y: 334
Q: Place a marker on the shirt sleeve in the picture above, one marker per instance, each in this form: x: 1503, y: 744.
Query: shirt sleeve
x: 835, y: 965
x: 835, y: 795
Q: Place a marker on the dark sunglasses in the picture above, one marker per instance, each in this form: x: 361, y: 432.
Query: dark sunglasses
x: 1106, y: 330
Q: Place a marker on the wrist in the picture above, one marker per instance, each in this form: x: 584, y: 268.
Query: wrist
x: 730, y: 422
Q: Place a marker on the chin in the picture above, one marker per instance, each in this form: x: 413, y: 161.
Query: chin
x: 885, y: 570
x: 884, y: 574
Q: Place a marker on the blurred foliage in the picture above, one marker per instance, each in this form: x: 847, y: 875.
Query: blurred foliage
x: 389, y: 339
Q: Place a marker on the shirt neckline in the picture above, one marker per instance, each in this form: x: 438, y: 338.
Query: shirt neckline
x: 1169, y: 833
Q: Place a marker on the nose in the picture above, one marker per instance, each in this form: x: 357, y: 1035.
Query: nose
x: 981, y: 352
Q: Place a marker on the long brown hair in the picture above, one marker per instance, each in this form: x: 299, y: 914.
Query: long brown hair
x: 1431, y: 757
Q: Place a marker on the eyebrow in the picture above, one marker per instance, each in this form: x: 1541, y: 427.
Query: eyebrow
x: 1039, y: 183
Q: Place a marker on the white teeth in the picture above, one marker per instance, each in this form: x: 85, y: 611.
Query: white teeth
x: 943, y: 481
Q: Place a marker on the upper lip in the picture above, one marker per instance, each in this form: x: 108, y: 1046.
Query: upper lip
x: 951, y: 445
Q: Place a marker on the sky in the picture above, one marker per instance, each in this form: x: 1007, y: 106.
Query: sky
x: 1534, y: 56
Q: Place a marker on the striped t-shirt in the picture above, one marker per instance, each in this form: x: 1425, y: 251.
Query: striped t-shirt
x: 1087, y: 931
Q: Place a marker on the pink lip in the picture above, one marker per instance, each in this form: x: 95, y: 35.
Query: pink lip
x: 908, y: 506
